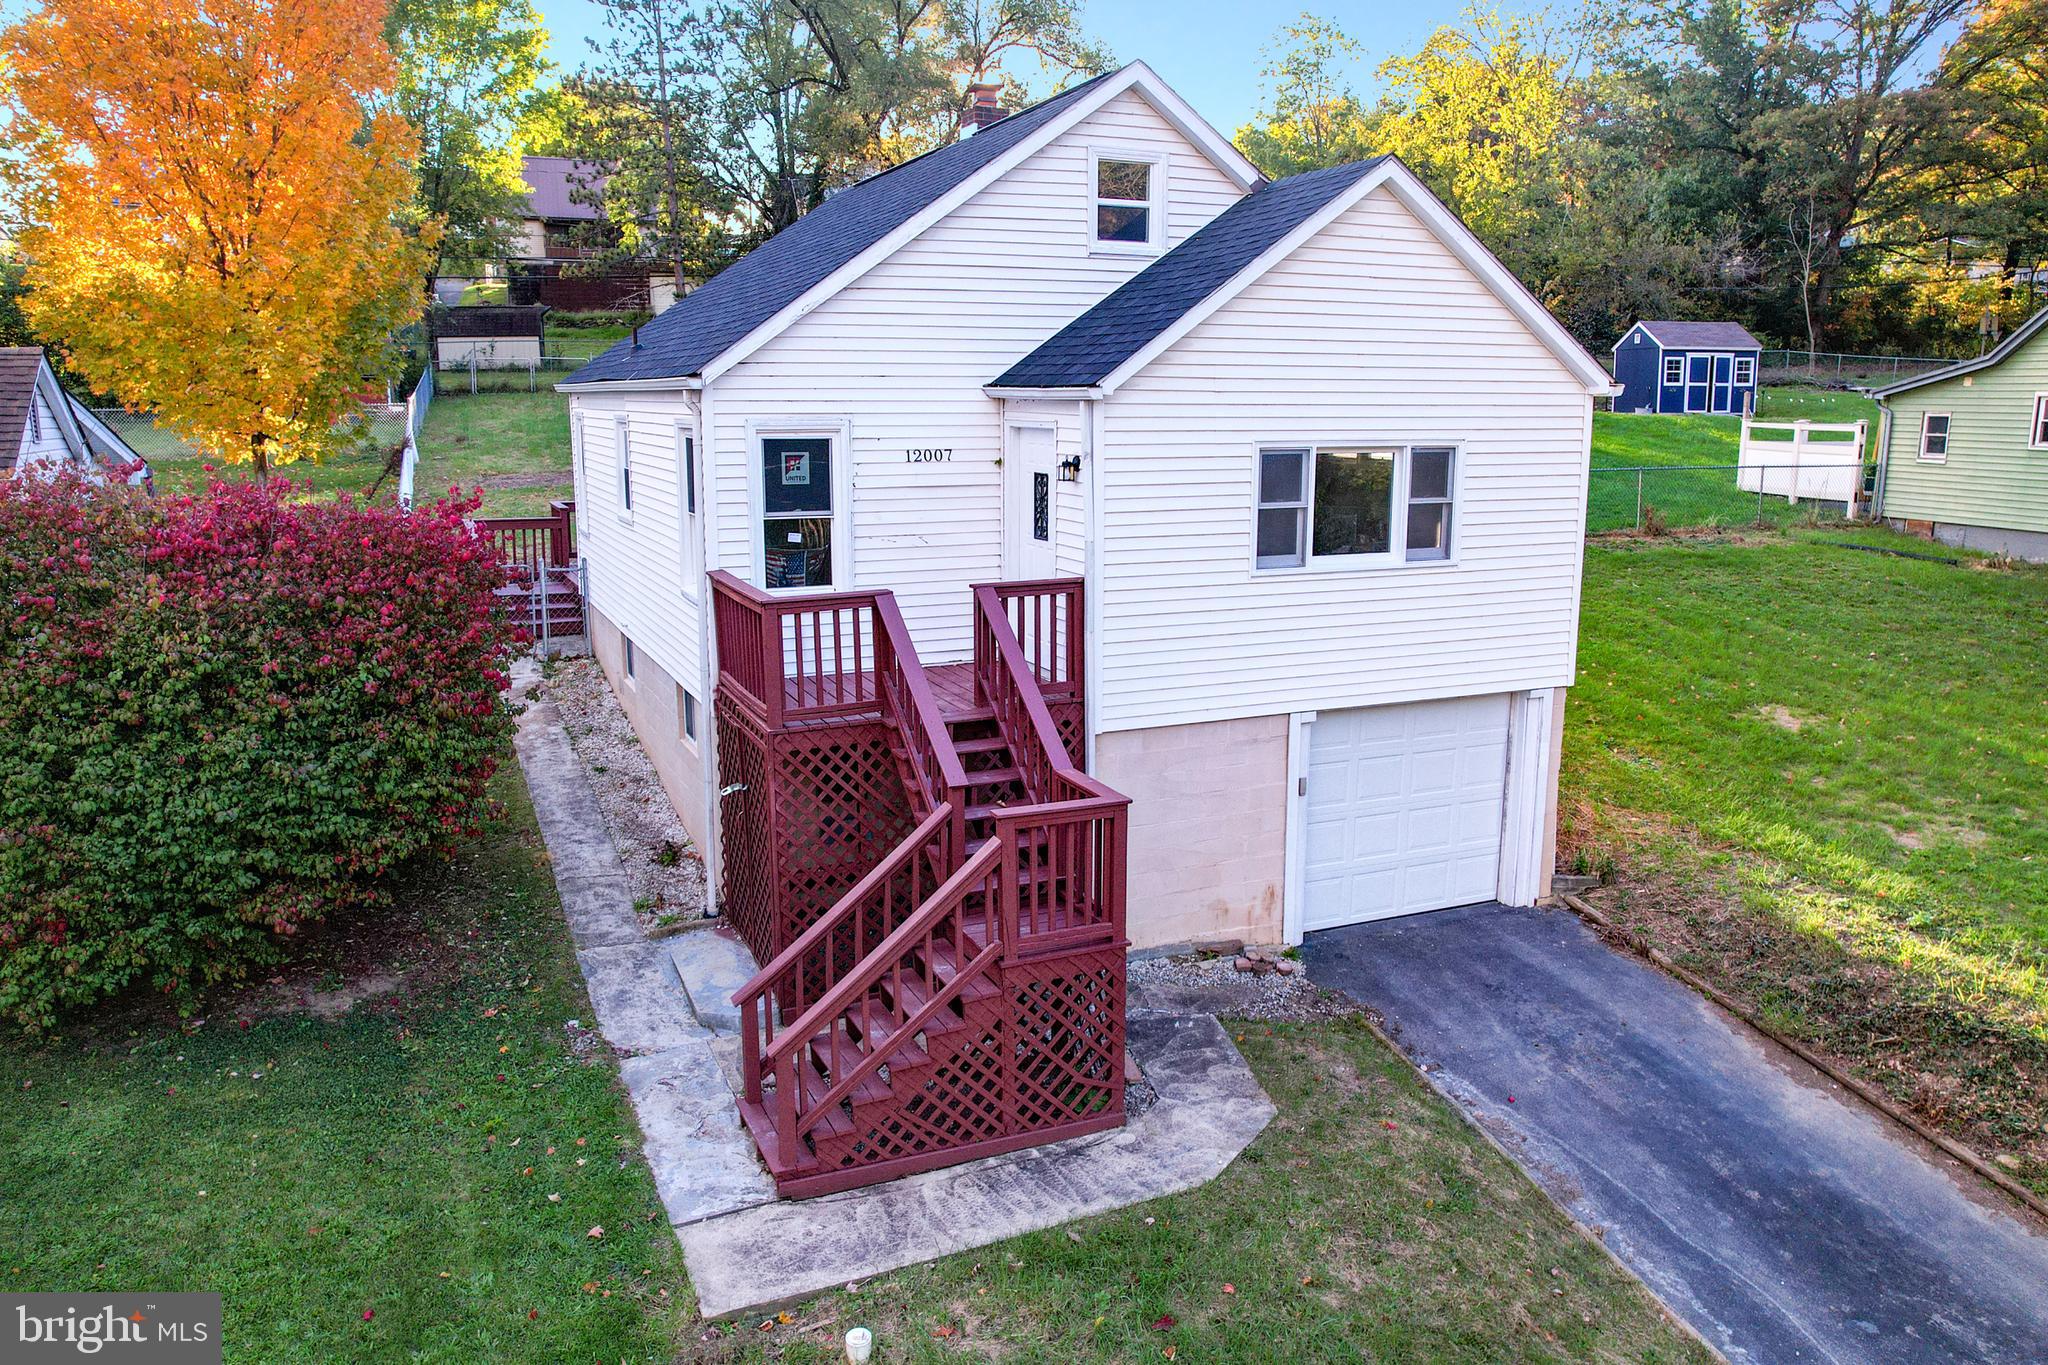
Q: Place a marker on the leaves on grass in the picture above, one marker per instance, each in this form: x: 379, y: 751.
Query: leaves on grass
x: 1165, y: 1322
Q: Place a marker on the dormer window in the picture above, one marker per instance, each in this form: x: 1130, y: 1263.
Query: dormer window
x: 1126, y: 206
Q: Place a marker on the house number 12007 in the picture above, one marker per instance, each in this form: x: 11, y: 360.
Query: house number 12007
x: 928, y: 455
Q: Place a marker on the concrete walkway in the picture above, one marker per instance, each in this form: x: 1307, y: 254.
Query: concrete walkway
x: 1778, y: 1215
x: 666, y: 1007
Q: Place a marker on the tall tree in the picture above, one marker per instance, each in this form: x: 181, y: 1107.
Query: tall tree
x: 219, y: 226
x: 1312, y: 116
x: 468, y: 76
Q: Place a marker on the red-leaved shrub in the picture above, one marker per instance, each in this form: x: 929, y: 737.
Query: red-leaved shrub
x: 222, y: 716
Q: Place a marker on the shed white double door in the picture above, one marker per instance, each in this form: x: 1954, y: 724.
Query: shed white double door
x: 1403, y: 809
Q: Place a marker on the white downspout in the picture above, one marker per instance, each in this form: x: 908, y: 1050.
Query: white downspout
x: 707, y: 647
x: 1091, y: 582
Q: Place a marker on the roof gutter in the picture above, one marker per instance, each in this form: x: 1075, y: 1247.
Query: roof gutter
x: 1074, y: 391
x: 688, y: 382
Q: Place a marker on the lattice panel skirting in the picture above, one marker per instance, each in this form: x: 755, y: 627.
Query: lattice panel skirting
x: 1067, y: 1038
x: 807, y: 813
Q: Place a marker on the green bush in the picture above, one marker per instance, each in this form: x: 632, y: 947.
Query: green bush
x: 222, y: 717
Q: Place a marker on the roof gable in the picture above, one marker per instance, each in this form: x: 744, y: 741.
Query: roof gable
x: 1123, y: 333
x: 748, y: 297
x: 1715, y: 336
x: 1091, y: 347
x: 18, y: 367
x: 2018, y: 337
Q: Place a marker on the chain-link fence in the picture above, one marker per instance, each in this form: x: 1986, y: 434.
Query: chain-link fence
x: 386, y: 424
x: 1681, y: 497
x: 504, y: 376
x: 1843, y: 369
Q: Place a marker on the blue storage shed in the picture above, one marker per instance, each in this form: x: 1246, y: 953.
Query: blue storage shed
x: 1686, y: 367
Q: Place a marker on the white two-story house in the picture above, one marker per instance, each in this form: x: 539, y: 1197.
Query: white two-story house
x: 1274, y: 494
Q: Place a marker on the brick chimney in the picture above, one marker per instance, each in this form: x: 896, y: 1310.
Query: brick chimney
x: 982, y: 106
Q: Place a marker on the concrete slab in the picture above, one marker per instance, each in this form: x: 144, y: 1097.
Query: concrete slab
x: 703, y: 1160
x: 712, y: 964
x: 639, y: 1003
x: 1210, y: 1108
x: 1779, y: 1216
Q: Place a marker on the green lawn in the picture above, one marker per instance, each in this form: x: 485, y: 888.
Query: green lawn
x: 373, y: 1186
x: 1693, y: 497
x: 514, y: 446
x: 1367, y: 1222
x: 181, y: 469
x: 583, y: 339
x: 1821, y: 776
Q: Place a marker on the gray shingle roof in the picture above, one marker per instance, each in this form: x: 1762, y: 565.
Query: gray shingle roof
x: 18, y: 366
x: 1720, y: 336
x: 753, y: 289
x: 1089, y: 348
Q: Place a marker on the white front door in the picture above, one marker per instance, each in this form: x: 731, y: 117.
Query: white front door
x: 1029, y: 495
x: 1403, y: 809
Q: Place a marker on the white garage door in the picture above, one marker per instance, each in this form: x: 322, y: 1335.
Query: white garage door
x: 1403, y: 809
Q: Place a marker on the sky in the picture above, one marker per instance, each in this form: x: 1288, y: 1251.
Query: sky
x: 1208, y: 50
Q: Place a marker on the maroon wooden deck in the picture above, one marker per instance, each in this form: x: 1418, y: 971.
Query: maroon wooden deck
x: 544, y: 591
x: 934, y: 885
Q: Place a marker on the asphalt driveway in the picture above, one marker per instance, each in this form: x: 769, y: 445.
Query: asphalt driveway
x: 1775, y: 1213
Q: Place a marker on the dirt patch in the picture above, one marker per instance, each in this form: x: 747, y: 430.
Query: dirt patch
x: 543, y: 478
x: 1785, y: 718
x: 665, y: 867
x: 1982, y: 1080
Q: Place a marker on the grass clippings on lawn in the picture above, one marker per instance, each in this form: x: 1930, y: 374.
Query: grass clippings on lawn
x: 1815, y: 778
x: 399, y: 1150
x: 1368, y: 1221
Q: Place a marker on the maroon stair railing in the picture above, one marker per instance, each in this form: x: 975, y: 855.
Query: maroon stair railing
x: 964, y: 996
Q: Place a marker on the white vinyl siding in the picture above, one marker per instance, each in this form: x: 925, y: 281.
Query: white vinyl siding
x: 635, y: 563
x: 1371, y: 332
x: 42, y: 436
x: 901, y: 355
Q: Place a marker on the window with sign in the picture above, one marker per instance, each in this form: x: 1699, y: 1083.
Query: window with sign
x: 796, y: 512
x: 1339, y: 506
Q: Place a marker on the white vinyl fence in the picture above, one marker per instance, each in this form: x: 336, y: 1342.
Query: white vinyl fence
x: 416, y: 404
x: 1803, y: 461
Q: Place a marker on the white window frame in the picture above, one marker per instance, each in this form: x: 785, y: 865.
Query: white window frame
x: 689, y: 718
x: 1396, y: 555
x: 579, y: 477
x: 1947, y: 433
x: 622, y: 463
x: 1744, y: 376
x: 629, y: 660
x: 1155, y: 205
x: 840, y: 432
x: 1669, y: 361
x: 2035, y: 432
x: 690, y: 527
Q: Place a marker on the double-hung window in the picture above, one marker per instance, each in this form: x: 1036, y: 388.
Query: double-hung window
x: 622, y: 450
x: 1125, y: 210
x: 1339, y: 506
x: 2038, y: 435
x: 1934, y: 437
x: 1674, y: 371
x: 796, y: 511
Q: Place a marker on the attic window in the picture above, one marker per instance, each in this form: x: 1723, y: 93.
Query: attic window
x: 1126, y: 207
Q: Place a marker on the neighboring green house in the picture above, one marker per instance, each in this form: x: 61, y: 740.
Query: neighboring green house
x: 1964, y: 455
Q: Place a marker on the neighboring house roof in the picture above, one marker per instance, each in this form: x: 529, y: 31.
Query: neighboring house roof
x: 555, y: 181
x: 1090, y: 348
x: 752, y: 291
x: 18, y: 367
x: 489, y: 320
x: 1685, y: 336
x: 107, y: 443
x: 2018, y: 337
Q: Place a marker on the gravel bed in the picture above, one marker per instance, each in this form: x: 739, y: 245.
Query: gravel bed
x: 663, y: 864
x: 1196, y: 984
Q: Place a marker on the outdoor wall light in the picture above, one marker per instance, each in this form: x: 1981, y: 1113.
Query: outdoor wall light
x: 1070, y: 469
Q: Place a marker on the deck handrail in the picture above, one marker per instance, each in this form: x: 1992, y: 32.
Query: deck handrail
x: 753, y: 1000
x: 1047, y: 616
x: 999, y: 664
x: 757, y: 631
x: 942, y: 777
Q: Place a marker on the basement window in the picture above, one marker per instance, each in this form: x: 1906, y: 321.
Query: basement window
x: 630, y: 658
x: 686, y: 714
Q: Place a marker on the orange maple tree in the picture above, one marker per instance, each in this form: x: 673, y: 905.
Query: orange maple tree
x: 219, y: 220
